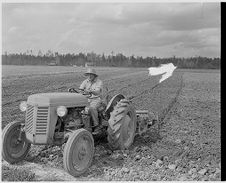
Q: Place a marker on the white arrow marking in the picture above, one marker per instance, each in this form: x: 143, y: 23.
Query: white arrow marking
x: 165, y: 69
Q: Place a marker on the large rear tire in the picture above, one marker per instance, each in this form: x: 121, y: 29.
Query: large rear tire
x: 122, y: 125
x: 78, y: 152
x: 14, y: 150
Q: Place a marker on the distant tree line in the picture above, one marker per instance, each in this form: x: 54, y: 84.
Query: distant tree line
x: 115, y: 60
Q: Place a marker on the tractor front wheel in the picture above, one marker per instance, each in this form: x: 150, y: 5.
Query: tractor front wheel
x: 13, y: 148
x: 78, y: 152
x: 122, y: 125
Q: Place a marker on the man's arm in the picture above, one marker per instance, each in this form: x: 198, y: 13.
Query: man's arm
x: 83, y: 85
x: 98, y: 88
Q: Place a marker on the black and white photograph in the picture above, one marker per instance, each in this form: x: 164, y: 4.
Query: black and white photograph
x: 110, y: 91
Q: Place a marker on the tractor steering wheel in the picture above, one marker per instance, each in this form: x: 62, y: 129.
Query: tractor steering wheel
x: 73, y: 90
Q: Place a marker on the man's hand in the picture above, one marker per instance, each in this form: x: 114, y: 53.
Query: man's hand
x: 80, y: 90
x: 95, y: 92
x: 87, y: 92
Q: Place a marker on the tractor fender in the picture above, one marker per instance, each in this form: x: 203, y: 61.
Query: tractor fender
x: 112, y: 103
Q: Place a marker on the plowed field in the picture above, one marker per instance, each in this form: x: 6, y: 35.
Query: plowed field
x: 186, y: 145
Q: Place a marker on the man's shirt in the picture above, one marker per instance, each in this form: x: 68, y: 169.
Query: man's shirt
x: 96, y: 85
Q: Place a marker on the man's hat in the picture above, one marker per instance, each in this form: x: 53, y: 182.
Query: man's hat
x: 91, y: 71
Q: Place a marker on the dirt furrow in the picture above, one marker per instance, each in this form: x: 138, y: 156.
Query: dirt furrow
x: 184, y: 147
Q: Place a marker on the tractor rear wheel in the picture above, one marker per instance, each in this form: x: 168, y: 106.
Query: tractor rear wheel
x: 122, y: 125
x: 78, y: 152
x: 13, y: 148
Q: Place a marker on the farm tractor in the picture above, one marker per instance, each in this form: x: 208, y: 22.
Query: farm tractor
x: 63, y: 118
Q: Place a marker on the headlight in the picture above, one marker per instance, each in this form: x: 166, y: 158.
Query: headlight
x: 23, y: 106
x: 61, y: 111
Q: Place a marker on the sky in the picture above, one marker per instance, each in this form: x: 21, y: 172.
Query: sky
x: 139, y: 29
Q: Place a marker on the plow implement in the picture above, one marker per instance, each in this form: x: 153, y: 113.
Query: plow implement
x: 145, y: 120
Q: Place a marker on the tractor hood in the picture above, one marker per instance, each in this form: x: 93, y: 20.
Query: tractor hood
x: 58, y: 99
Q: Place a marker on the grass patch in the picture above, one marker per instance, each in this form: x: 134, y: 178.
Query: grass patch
x: 16, y: 174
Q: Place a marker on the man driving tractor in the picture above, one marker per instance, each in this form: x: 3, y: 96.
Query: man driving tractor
x: 59, y: 118
x: 94, y: 86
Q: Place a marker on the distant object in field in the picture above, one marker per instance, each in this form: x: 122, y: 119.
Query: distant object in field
x: 165, y: 69
x: 52, y: 64
x: 89, y: 64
